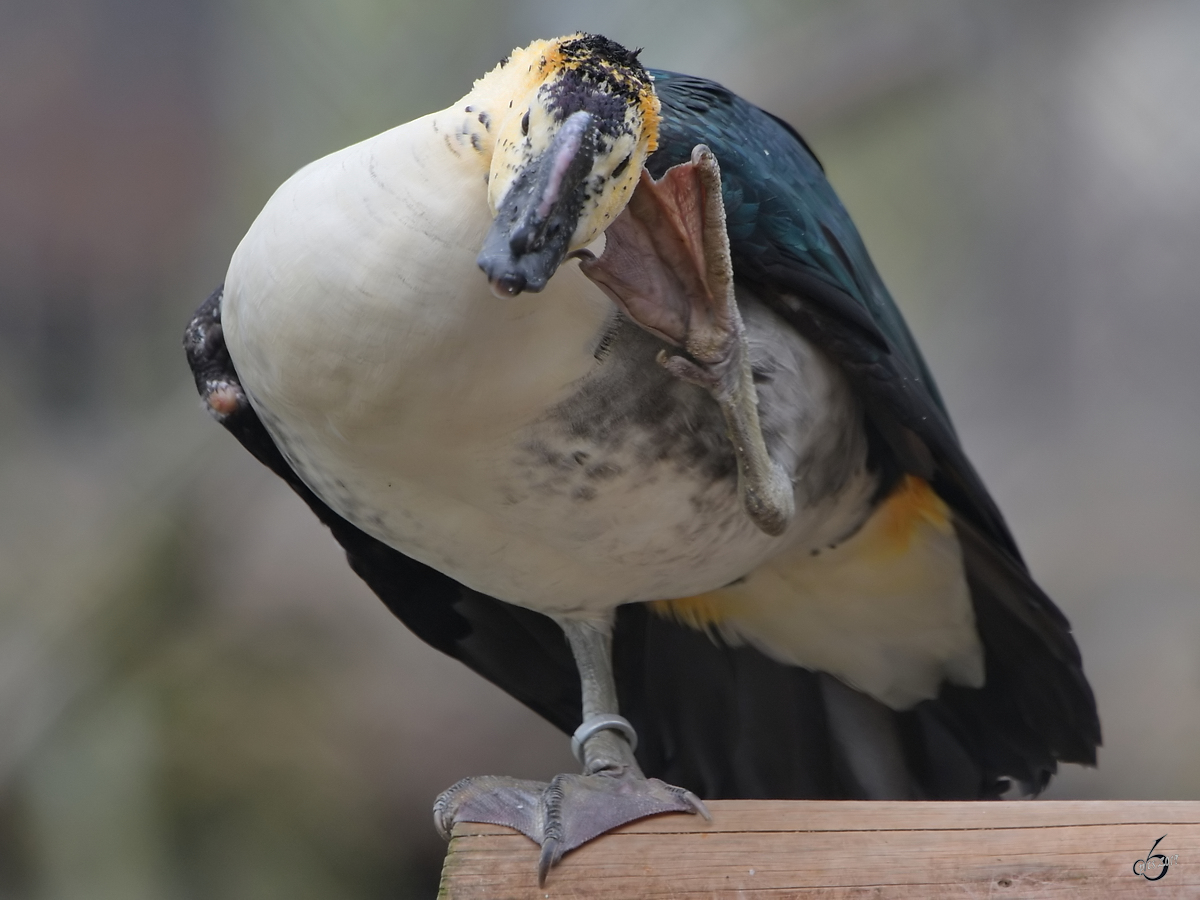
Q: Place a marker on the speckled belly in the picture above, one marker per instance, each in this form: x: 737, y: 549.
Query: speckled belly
x: 625, y: 491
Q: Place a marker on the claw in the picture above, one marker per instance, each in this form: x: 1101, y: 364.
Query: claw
x: 697, y: 805
x: 549, y: 856
x: 564, y: 814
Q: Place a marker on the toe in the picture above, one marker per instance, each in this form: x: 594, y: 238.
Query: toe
x: 493, y: 800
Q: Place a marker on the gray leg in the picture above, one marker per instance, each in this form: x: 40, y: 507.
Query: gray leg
x: 765, y: 488
x: 606, y: 750
x: 573, y: 809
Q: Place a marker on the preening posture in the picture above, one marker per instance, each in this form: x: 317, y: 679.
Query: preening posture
x: 593, y: 379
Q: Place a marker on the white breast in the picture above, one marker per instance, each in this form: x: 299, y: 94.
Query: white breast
x: 411, y: 400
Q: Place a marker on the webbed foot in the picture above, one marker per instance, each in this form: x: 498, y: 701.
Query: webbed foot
x: 667, y: 265
x: 564, y: 814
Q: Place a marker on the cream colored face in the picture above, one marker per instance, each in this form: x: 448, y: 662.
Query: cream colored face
x: 624, y: 139
x: 571, y: 123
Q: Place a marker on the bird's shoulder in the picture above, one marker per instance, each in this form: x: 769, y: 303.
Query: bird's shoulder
x: 787, y: 226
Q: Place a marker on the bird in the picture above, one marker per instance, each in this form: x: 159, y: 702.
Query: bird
x: 594, y: 380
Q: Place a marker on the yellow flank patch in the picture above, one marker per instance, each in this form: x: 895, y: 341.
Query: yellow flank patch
x: 701, y: 612
x: 887, y: 609
x: 890, y: 532
x: 899, y: 518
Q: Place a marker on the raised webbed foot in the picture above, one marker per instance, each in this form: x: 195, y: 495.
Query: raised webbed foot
x: 667, y: 265
x: 561, y: 815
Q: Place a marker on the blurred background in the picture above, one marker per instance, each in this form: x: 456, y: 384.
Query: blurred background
x: 197, y: 697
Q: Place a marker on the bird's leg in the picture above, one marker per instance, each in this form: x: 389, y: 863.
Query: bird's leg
x: 573, y: 809
x: 666, y: 264
x: 606, y: 749
x: 765, y: 488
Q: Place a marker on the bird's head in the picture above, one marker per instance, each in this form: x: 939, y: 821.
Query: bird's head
x: 571, y: 122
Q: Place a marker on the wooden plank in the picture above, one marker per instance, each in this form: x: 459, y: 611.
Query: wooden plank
x: 849, y: 849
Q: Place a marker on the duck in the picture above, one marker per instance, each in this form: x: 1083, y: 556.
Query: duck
x: 594, y: 380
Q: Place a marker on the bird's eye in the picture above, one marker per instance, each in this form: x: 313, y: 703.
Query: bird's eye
x: 525, y: 123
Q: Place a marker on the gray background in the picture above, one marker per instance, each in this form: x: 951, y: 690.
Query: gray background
x: 197, y: 697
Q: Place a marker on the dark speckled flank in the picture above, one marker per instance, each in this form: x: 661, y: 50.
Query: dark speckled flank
x: 631, y: 418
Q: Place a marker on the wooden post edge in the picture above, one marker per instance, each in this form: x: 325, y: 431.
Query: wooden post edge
x: 769, y: 849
